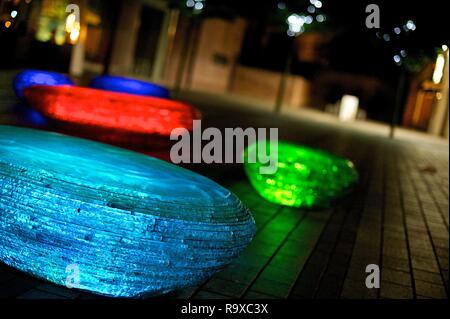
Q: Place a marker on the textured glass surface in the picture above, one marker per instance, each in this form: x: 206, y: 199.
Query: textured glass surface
x: 111, y: 110
x: 27, y: 78
x: 134, y: 225
x: 305, y: 177
x: 131, y: 86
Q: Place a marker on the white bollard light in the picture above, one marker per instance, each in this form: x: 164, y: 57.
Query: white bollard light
x: 348, y: 108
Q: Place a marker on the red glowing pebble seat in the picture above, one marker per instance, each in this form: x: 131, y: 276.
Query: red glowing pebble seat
x: 111, y: 110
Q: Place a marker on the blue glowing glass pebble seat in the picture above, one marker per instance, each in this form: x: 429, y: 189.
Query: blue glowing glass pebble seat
x: 28, y: 78
x: 132, y: 225
x: 130, y: 86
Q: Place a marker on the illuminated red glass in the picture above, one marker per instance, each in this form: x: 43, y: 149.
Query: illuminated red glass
x: 110, y: 110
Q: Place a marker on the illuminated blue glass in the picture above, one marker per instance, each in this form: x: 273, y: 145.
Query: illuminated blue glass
x: 27, y: 78
x: 30, y: 115
x: 132, y: 225
x: 130, y: 86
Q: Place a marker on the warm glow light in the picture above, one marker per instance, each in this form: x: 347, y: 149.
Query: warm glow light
x: 7, y: 24
x: 73, y: 28
x: 439, y: 69
x: 70, y: 22
x: 60, y: 39
x: 444, y: 47
x: 74, y: 35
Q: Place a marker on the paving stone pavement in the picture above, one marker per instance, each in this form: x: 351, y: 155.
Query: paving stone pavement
x: 397, y: 217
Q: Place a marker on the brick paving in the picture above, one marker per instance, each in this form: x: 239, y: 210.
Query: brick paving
x: 397, y: 217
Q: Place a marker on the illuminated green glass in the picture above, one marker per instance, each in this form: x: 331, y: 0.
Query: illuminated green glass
x: 305, y: 177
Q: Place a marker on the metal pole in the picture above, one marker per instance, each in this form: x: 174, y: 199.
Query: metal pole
x: 114, y: 24
x: 398, y: 102
x: 185, y: 50
x: 283, y: 80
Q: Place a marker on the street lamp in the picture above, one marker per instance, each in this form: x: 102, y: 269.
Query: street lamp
x: 295, y: 24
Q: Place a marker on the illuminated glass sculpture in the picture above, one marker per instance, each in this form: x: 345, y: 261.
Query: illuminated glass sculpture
x: 110, y: 110
x: 131, y: 86
x: 305, y: 177
x: 27, y: 78
x: 127, y: 224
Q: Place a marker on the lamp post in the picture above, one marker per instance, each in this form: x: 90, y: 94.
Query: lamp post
x: 398, y: 102
x: 295, y: 25
x: 283, y: 79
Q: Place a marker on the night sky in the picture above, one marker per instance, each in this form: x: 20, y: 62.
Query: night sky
x: 354, y: 48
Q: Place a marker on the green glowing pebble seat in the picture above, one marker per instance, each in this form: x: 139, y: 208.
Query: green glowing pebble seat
x: 305, y: 177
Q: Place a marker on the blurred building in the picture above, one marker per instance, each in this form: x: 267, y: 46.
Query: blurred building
x: 427, y: 100
x: 147, y: 39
